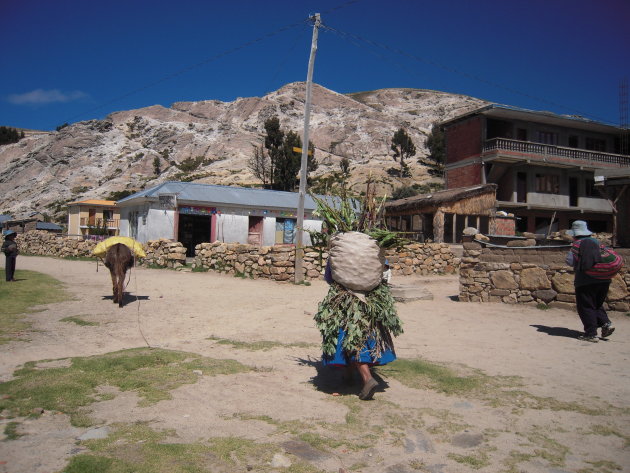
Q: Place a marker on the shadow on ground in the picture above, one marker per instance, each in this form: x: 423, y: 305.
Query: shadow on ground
x: 341, y: 380
x: 127, y: 298
x: 557, y: 331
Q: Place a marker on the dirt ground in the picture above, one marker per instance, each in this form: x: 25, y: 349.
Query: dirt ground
x: 189, y: 311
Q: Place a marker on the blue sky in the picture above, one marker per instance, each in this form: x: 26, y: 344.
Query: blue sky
x: 72, y: 60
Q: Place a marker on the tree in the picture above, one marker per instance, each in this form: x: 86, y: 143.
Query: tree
x: 9, y: 135
x: 288, y: 163
x: 280, y: 165
x: 344, y: 166
x: 403, y: 148
x: 156, y: 166
x: 437, y: 150
x: 273, y: 142
x: 260, y: 164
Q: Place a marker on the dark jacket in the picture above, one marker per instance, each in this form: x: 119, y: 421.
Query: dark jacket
x: 9, y: 247
x: 589, y: 255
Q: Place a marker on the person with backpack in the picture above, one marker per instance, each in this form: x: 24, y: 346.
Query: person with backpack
x: 591, y: 288
x: 10, y: 249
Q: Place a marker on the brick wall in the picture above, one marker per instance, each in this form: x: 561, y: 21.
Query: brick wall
x: 464, y: 176
x: 505, y: 225
x: 463, y: 140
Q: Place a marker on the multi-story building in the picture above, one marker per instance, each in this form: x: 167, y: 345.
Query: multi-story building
x: 93, y: 218
x: 543, y: 164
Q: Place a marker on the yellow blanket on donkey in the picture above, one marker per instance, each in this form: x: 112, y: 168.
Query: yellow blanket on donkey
x: 100, y: 249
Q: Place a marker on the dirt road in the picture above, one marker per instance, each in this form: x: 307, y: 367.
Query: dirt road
x: 565, y: 407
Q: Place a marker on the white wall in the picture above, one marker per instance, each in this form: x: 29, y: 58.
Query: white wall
x: 315, y: 225
x: 232, y: 228
x: 152, y: 223
x: 269, y: 231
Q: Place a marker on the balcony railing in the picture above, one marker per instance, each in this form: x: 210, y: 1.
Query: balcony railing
x: 98, y: 222
x: 543, y: 150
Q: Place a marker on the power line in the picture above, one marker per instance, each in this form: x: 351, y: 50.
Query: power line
x: 208, y: 60
x: 191, y: 67
x: 347, y: 36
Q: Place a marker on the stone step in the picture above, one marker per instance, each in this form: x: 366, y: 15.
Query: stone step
x: 409, y: 293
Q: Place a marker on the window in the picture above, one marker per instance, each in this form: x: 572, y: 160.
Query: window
x: 547, y: 137
x: 573, y: 141
x: 547, y: 183
x: 595, y: 144
x: 589, y: 188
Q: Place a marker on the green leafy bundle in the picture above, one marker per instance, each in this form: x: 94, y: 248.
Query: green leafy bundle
x: 375, y: 319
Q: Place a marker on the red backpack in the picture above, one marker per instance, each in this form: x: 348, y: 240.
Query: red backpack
x: 610, y: 264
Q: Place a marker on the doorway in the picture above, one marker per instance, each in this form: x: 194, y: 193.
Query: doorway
x: 255, y: 231
x: 192, y: 230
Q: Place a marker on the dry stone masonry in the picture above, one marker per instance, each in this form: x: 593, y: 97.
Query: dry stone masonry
x: 39, y: 242
x: 277, y: 262
x: 529, y: 275
x: 271, y: 262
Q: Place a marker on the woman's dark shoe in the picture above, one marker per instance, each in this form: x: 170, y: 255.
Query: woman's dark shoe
x: 368, y: 390
x: 607, y: 330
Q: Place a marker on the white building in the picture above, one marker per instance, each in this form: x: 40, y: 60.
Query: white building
x: 194, y: 213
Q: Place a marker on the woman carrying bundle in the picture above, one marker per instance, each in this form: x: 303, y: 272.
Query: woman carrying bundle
x: 357, y: 318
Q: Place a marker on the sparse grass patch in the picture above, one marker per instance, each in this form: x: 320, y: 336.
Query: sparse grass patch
x: 77, y: 320
x: 31, y: 289
x: 493, y: 390
x: 152, y: 373
x: 10, y: 431
x: 264, y: 345
x: 473, y: 461
x: 422, y: 374
x: 542, y: 306
x: 602, y: 466
x: 607, y: 430
x: 544, y: 447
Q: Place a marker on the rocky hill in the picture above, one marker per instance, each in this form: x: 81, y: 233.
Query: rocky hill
x: 211, y: 142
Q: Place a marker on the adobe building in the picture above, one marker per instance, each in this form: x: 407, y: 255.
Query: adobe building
x: 441, y: 216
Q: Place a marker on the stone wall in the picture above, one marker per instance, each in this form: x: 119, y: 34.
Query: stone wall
x: 164, y: 253
x: 532, y: 276
x: 273, y: 262
x: 39, y: 242
x: 278, y: 262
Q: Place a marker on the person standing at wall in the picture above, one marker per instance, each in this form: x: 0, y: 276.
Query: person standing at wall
x: 10, y: 249
x: 590, y: 293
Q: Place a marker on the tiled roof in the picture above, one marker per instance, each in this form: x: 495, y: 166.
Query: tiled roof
x: 108, y: 203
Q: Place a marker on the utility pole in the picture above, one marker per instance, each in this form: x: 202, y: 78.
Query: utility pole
x: 299, y: 246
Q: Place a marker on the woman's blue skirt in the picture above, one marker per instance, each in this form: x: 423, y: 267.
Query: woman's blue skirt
x: 340, y: 358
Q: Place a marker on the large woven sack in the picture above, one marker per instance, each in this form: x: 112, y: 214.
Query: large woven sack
x: 356, y: 261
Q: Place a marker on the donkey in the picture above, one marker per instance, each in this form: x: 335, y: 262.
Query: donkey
x: 118, y: 260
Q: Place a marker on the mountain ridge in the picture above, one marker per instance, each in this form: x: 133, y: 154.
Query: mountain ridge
x: 211, y: 141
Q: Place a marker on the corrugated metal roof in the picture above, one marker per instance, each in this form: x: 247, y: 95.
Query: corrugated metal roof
x: 190, y: 192
x: 47, y: 226
x: 4, y: 218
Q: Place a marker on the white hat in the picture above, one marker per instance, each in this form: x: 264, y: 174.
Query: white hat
x: 579, y: 228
